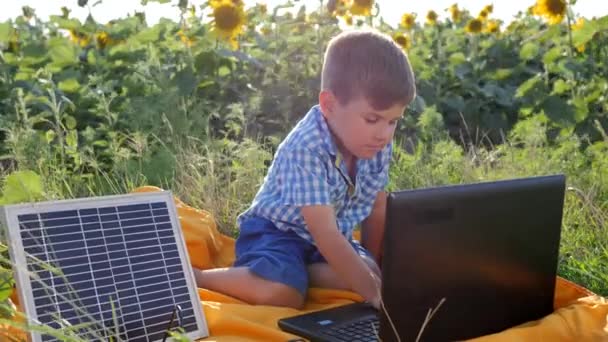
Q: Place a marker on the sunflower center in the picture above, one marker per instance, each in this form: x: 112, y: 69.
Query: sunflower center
x: 556, y: 7
x: 226, y: 17
x: 364, y: 3
x: 475, y: 25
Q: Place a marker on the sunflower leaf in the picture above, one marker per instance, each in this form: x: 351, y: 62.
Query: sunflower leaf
x: 529, y: 51
x: 584, y: 34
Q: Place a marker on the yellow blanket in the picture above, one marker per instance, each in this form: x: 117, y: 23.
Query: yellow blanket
x: 579, y: 314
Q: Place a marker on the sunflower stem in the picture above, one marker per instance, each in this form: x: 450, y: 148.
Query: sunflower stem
x: 569, y: 18
x: 571, y: 49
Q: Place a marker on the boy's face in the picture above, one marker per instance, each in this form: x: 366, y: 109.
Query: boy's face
x: 360, y: 130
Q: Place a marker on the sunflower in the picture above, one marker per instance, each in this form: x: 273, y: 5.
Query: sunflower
x: 483, y: 15
x: 217, y: 3
x: 228, y: 18
x: 184, y: 38
x: 489, y: 8
x: 492, y: 26
x: 474, y: 26
x: 402, y: 40
x: 581, y: 48
x: 455, y: 13
x: 80, y: 38
x: 348, y: 19
x: 553, y: 10
x: 408, y: 20
x: 361, y: 7
x: 431, y: 18
x: 103, y: 40
x: 337, y: 8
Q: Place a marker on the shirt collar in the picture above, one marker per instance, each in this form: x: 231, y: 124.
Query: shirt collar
x: 326, y: 136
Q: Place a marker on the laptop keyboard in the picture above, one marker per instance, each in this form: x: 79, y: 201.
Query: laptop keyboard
x: 358, y: 331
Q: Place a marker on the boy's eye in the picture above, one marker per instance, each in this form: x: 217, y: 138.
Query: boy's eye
x: 371, y: 120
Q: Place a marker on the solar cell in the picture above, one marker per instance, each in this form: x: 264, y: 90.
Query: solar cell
x: 104, y: 266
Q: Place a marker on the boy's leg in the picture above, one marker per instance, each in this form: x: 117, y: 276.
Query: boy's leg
x: 323, y: 276
x: 241, y: 283
x: 269, y: 268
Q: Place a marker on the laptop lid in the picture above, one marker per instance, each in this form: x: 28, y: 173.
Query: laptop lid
x: 486, y: 251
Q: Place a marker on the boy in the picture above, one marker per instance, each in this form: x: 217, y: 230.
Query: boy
x: 327, y: 176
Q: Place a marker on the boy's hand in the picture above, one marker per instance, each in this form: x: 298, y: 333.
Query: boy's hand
x: 340, y: 255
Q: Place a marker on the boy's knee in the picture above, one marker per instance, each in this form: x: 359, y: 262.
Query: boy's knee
x: 277, y: 294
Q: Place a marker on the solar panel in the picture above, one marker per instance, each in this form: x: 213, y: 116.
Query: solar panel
x: 101, y: 267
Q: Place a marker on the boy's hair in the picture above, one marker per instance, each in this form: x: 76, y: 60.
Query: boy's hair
x: 370, y: 64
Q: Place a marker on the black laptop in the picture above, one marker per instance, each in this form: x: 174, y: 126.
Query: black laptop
x: 480, y: 257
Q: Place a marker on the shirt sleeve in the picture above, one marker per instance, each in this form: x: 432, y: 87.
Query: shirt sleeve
x: 304, y: 179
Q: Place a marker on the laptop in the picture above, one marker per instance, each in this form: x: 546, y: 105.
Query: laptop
x: 460, y: 261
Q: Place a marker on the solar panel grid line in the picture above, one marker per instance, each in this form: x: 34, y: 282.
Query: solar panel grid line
x: 133, y: 279
x: 84, y: 238
x: 77, y: 301
x: 164, y: 261
x: 144, y: 264
x: 84, y: 298
x: 109, y: 244
x: 178, y: 286
x: 151, y: 317
x: 67, y: 298
x: 111, y: 268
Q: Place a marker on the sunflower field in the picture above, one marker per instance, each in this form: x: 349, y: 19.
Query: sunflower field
x: 198, y: 105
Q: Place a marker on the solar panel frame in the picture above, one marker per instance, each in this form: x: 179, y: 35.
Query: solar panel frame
x: 9, y: 216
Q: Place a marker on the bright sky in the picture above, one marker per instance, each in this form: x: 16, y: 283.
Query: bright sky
x: 391, y: 10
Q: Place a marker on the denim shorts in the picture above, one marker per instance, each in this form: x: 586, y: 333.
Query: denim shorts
x: 279, y: 256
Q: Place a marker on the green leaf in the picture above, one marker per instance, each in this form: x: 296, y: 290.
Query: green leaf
x: 5, y: 32
x: 581, y: 109
x: 185, y: 81
x: 149, y: 35
x: 559, y: 111
x: 501, y: 74
x: 527, y: 86
x: 584, y: 34
x: 22, y: 186
x: 62, y: 52
x: 65, y: 23
x: 529, y: 51
x: 602, y: 23
x: 69, y: 86
x: 71, y: 139
x: 457, y: 58
x: 560, y: 86
x: 553, y: 54
x: 50, y: 136
x: 70, y: 122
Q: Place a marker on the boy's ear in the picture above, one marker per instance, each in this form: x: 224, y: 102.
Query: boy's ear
x: 327, y: 102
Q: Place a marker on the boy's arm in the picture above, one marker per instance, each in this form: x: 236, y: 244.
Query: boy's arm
x: 340, y: 255
x: 372, y: 228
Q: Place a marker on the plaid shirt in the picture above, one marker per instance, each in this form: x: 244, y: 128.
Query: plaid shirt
x: 308, y: 170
